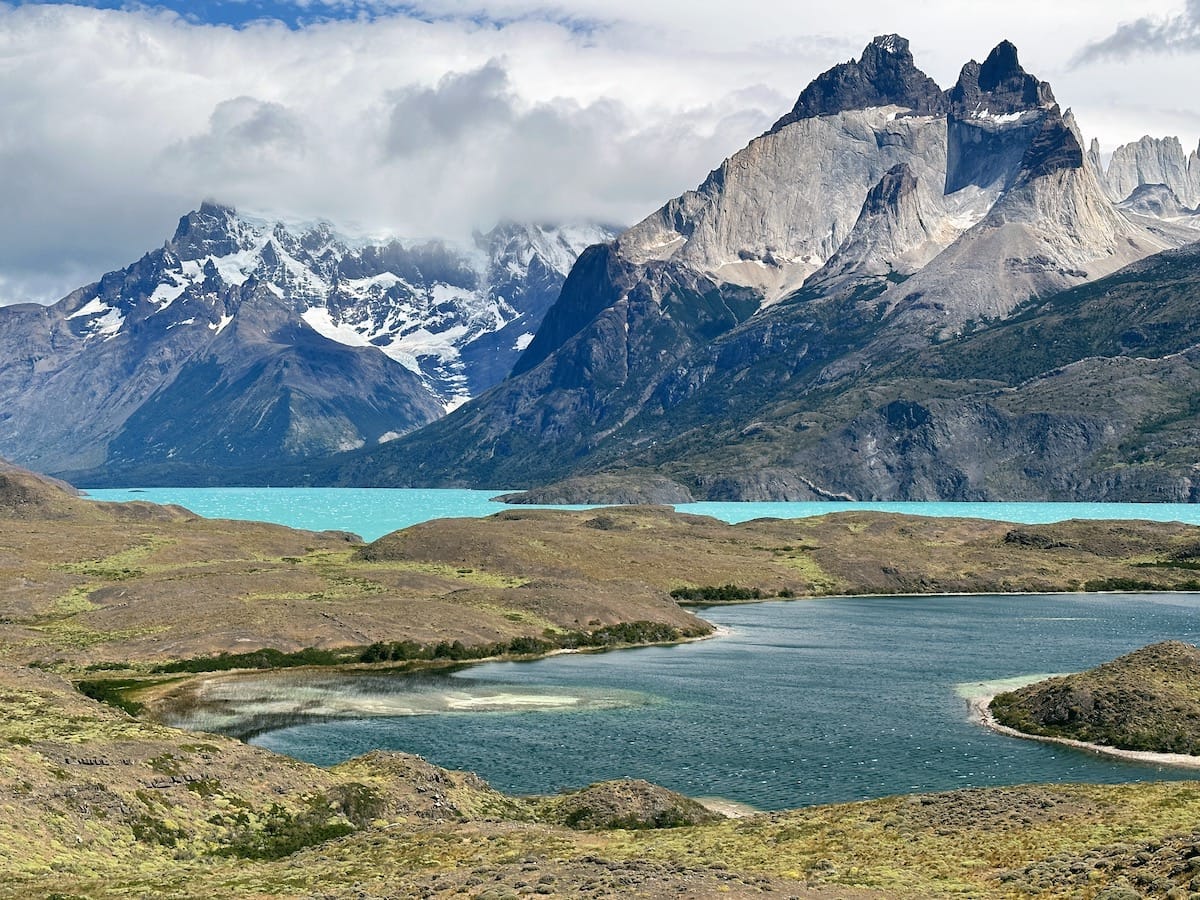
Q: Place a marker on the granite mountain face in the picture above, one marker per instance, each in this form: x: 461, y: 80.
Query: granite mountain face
x: 1151, y: 161
x: 756, y: 338
x: 897, y: 292
x: 242, y: 341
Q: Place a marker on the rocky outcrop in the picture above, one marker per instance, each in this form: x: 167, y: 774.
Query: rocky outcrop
x: 899, y: 230
x: 1155, y: 201
x: 885, y: 75
x: 628, y: 803
x: 998, y: 87
x: 1096, y: 161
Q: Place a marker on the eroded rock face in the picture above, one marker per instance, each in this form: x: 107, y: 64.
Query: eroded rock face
x: 885, y: 75
x: 775, y: 212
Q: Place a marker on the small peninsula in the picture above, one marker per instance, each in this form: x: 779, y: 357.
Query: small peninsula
x: 1146, y: 701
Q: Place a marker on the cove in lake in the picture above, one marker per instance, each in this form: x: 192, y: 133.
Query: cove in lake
x: 802, y: 703
x: 374, y: 512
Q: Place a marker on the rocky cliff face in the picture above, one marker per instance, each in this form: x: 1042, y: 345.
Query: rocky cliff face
x: 241, y: 341
x: 1154, y: 161
x: 775, y: 212
x: 712, y: 340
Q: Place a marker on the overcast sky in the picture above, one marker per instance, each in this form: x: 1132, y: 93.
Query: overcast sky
x: 432, y: 118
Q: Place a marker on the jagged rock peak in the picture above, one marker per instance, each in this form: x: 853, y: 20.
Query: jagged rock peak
x: 211, y: 230
x: 998, y: 87
x: 1154, y: 161
x: 885, y: 75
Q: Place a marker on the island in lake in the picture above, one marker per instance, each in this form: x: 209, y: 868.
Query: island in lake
x: 1145, y: 705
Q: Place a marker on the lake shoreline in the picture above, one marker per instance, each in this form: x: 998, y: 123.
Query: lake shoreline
x: 981, y: 712
x: 169, y: 700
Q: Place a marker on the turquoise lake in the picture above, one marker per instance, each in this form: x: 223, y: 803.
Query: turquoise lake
x: 798, y: 703
x: 373, y: 512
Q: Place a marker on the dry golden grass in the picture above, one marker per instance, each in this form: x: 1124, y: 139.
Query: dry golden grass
x: 95, y: 803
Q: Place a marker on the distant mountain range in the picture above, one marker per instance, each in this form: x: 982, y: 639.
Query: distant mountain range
x: 898, y: 292
x: 242, y: 341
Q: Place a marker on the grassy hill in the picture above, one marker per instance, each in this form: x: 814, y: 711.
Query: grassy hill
x: 1146, y: 700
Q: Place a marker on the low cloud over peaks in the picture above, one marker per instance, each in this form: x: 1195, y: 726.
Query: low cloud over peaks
x: 461, y: 104
x: 388, y: 126
x: 423, y: 118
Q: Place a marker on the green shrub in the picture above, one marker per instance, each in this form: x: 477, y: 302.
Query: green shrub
x: 726, y: 593
x: 112, y: 691
x: 283, y: 832
x: 267, y: 658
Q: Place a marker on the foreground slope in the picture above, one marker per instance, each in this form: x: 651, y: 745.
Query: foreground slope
x: 879, y: 219
x: 99, y: 804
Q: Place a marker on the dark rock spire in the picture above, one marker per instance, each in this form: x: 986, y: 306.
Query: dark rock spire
x: 884, y: 76
x: 1000, y: 86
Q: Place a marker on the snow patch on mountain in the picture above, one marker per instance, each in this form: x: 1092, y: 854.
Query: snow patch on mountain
x: 423, y: 304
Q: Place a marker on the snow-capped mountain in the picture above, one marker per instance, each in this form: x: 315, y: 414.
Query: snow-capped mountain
x: 425, y: 305
x: 243, y: 341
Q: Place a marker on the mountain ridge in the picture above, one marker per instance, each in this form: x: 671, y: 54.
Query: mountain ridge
x: 242, y: 340
x: 829, y: 249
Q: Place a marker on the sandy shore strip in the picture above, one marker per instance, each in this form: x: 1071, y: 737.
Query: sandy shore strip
x: 729, y: 808
x: 983, y: 715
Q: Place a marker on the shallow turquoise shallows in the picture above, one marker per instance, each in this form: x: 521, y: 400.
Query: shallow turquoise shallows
x: 373, y: 512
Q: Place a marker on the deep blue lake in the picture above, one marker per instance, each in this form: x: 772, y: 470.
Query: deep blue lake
x: 800, y: 703
x: 805, y: 702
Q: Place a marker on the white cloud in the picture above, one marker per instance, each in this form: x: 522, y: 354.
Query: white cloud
x: 112, y: 123
x: 1176, y: 33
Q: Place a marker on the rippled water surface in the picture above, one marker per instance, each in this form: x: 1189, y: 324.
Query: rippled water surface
x: 802, y: 703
